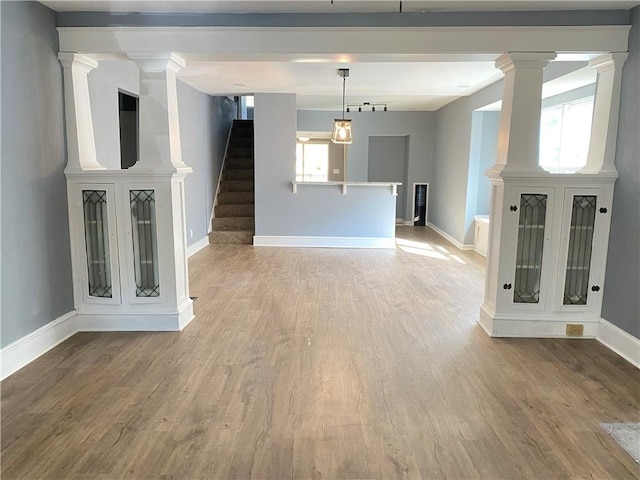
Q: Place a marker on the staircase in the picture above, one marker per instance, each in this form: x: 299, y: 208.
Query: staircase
x: 233, y: 221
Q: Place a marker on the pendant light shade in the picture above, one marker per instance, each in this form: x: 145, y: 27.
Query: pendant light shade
x: 341, y: 132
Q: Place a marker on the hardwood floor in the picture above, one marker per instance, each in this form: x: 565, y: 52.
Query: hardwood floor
x: 323, y: 364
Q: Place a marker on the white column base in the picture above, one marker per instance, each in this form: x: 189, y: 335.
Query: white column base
x: 530, y: 326
x: 166, y: 321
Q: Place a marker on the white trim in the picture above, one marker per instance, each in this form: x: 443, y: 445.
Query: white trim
x: 449, y: 238
x: 26, y: 349
x: 162, y: 321
x: 326, y: 242
x: 196, y: 247
x: 619, y: 341
x: 524, y: 326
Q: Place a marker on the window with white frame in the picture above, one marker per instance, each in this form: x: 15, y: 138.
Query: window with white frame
x: 565, y: 130
x: 312, y: 161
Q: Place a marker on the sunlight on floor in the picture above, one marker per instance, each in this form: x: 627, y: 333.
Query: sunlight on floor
x: 426, y: 250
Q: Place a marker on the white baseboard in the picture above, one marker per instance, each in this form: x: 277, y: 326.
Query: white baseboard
x: 26, y: 349
x: 543, y: 326
x: 621, y: 342
x: 446, y: 236
x: 326, y: 242
x: 196, y: 247
x: 162, y: 321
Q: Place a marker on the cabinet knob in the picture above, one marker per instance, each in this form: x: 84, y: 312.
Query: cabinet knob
x: 507, y: 286
x: 513, y: 208
x: 603, y: 210
x: 595, y: 288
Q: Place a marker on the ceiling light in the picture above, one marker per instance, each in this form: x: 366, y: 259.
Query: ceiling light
x: 365, y: 105
x: 342, y: 127
x: 303, y: 139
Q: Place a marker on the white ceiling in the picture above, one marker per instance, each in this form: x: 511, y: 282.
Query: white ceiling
x: 326, y: 6
x: 401, y: 82
x: 401, y: 85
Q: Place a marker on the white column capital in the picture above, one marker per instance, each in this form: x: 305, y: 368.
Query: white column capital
x: 609, y: 61
x: 77, y: 61
x: 156, y: 63
x: 511, y: 60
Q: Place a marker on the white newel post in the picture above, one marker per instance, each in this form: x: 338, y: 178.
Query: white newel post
x: 81, y: 146
x: 606, y: 110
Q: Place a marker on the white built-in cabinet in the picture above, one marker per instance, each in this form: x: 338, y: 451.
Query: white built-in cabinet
x: 128, y: 256
x: 552, y: 256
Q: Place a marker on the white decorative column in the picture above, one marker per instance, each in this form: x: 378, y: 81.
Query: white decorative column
x: 128, y: 239
x: 606, y: 110
x: 517, y: 155
x: 519, y: 133
x: 548, y: 231
x: 158, y: 109
x: 81, y: 147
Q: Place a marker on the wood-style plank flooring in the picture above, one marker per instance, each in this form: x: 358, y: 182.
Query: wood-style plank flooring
x: 323, y: 364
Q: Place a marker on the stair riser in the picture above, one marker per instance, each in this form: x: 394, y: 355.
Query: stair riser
x: 239, y: 163
x: 222, y: 211
x: 240, y: 153
x: 236, y: 186
x: 242, y: 198
x: 241, y: 142
x: 231, y: 238
x: 238, y: 174
x: 233, y: 224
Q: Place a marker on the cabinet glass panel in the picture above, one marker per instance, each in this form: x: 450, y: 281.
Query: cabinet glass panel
x: 145, y: 249
x: 583, y: 215
x: 533, y: 209
x: 96, y: 239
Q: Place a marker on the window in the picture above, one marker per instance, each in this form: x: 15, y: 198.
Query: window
x: 312, y: 161
x: 565, y: 130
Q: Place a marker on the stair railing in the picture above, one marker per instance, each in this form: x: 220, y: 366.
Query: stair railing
x: 222, y: 165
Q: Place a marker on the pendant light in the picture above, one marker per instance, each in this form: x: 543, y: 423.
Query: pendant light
x: 342, y: 127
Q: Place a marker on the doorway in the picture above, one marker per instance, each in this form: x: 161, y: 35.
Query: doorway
x: 420, y: 202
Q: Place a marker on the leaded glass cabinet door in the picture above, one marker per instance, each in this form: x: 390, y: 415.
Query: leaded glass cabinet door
x: 581, y: 275
x: 101, y: 283
x: 144, y: 244
x: 530, y: 213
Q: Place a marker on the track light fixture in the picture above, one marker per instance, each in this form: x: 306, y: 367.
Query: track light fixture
x: 365, y: 105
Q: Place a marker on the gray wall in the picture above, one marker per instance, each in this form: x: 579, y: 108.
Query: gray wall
x: 419, y: 126
x: 36, y: 260
x: 621, y: 302
x: 482, y: 155
x: 448, y: 202
x: 316, y: 210
x: 204, y: 127
x: 388, y: 163
x: 104, y: 83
